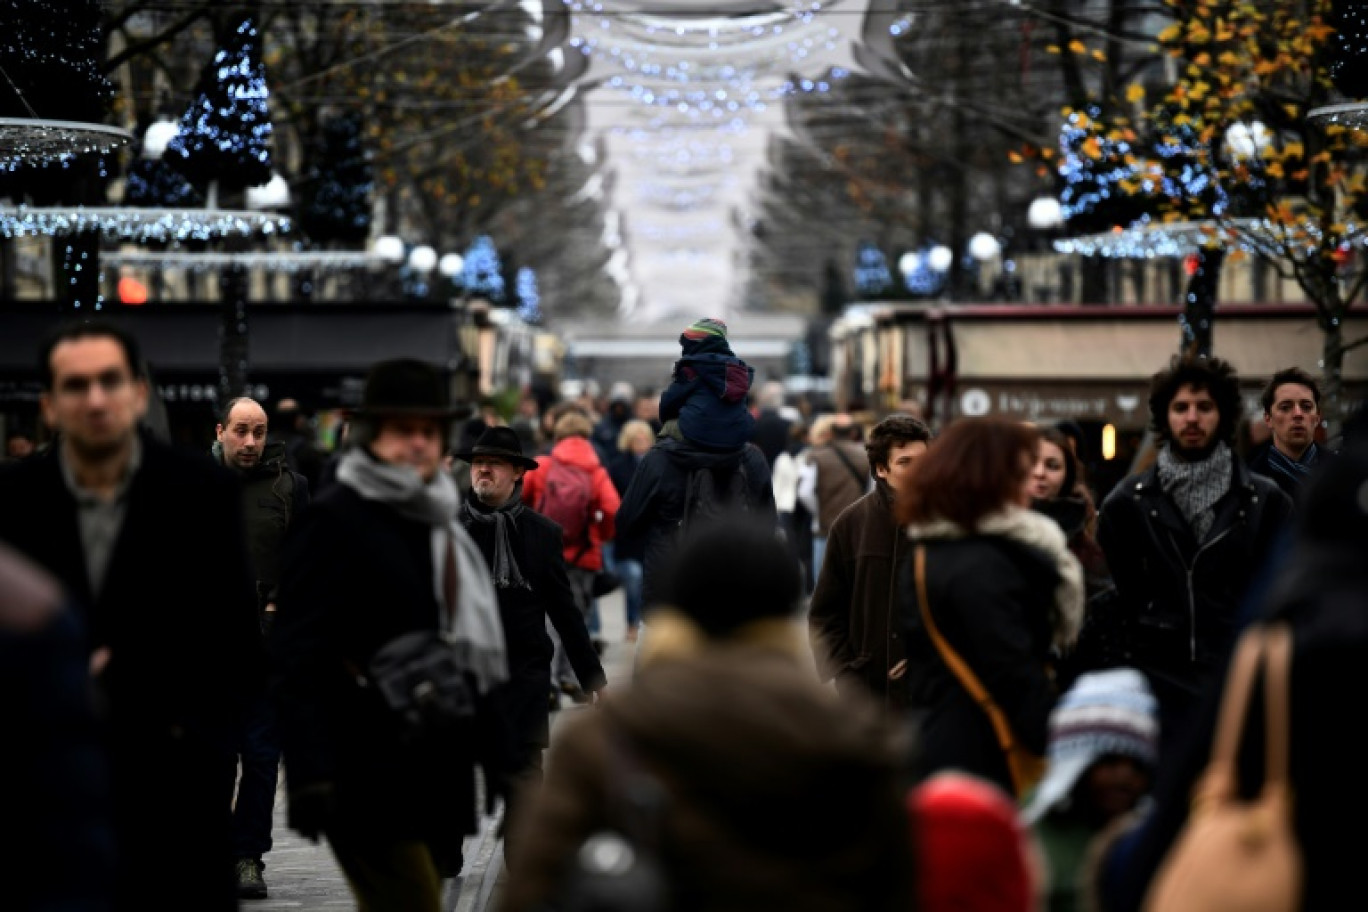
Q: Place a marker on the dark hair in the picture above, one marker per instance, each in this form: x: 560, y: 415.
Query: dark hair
x: 1214, y: 375
x: 730, y: 571
x: 895, y: 430
x: 1060, y: 439
x: 975, y: 469
x: 1288, y: 375
x: 88, y: 329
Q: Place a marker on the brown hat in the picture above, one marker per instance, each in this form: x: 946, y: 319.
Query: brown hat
x: 406, y: 386
x: 501, y: 443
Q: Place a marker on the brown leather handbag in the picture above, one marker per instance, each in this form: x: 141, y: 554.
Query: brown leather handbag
x: 1237, y: 854
x: 1025, y: 766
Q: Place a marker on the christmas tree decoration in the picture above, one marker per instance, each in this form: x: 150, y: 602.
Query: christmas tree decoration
x: 872, y: 277
x: 484, y: 271
x: 154, y: 183
x: 225, y: 133
x: 1092, y: 169
x: 1349, y: 48
x: 336, y: 189
x: 529, y: 298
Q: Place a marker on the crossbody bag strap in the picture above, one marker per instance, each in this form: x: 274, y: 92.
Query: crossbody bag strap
x: 860, y: 479
x: 956, y: 664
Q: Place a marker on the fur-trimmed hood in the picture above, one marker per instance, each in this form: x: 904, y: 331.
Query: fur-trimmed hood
x: 1036, y: 531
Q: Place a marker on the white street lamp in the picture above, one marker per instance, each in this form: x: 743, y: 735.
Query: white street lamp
x: 1045, y: 213
x: 1248, y: 140
x: 451, y: 265
x: 909, y: 262
x: 390, y: 249
x: 984, y: 247
x: 422, y: 259
x: 158, y: 136
x: 274, y: 194
x: 940, y: 258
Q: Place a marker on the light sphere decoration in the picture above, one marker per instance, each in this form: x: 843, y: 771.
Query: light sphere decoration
x: 940, y: 258
x: 451, y: 265
x: 909, y: 262
x: 423, y: 258
x: 390, y: 249
x: 274, y: 194
x: 984, y: 247
x: 1044, y: 213
x: 1245, y: 141
x: 158, y: 136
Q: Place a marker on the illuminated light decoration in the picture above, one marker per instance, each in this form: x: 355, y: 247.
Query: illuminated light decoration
x: 389, y: 249
x: 451, y: 265
x: 336, y: 204
x: 1045, y: 213
x: 132, y: 291
x: 1353, y: 115
x: 138, y: 225
x: 422, y: 258
x: 257, y: 260
x: 25, y: 140
x: 1349, y: 50
x: 274, y: 194
x: 154, y: 183
x: 225, y: 132
x: 1180, y: 239
x: 920, y: 279
x: 483, y: 270
x: 1091, y: 198
x: 529, y: 298
x: 984, y: 247
x: 872, y: 276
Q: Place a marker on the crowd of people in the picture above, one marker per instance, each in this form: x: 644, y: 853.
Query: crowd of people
x: 877, y: 664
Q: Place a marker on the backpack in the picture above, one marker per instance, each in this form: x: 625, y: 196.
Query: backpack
x: 567, y: 496
x: 715, y: 491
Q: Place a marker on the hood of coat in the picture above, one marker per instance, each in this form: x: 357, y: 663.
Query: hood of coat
x: 576, y: 451
x: 752, y: 710
x: 1042, y: 534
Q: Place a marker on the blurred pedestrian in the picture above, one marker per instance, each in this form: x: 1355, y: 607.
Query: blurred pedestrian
x: 621, y: 398
x: 297, y: 432
x: 274, y: 496
x: 838, y: 475
x: 625, y: 555
x: 708, y: 389
x: 853, y: 622
x: 18, y: 445
x: 381, y: 556
x: 149, y: 544
x: 524, y: 553
x: 990, y: 594
x: 749, y: 784
x: 771, y: 425
x: 1058, y: 491
x: 1104, y: 748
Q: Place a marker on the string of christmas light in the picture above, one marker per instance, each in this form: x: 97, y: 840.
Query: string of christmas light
x: 265, y: 261
x: 139, y: 225
x: 529, y: 298
x: 31, y: 141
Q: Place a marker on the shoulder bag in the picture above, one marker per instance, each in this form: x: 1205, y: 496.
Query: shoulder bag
x: 1025, y: 767
x: 1237, y: 854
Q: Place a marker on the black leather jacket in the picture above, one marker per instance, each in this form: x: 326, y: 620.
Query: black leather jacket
x: 1182, y: 600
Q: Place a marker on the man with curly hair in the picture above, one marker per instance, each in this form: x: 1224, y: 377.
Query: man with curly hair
x: 1184, y: 538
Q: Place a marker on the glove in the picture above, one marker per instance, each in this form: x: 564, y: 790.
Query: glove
x: 312, y: 809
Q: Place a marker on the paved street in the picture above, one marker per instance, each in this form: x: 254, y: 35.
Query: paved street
x: 302, y: 875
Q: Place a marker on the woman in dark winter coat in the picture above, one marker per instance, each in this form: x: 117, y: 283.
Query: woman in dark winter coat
x: 1058, y: 492
x: 1002, y: 591
x: 767, y: 791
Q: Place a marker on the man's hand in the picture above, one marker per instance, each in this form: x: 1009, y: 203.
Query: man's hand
x: 597, y: 696
x: 312, y: 809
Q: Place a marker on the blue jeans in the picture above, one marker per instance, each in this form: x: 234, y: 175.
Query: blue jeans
x: 819, y: 543
x: 631, y: 572
x: 259, y: 753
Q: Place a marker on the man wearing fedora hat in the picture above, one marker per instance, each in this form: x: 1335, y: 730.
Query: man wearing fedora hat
x: 378, y: 555
x: 525, y: 554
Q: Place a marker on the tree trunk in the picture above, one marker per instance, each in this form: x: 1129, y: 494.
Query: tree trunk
x: 1199, y: 305
x: 233, y: 334
x: 1332, y: 373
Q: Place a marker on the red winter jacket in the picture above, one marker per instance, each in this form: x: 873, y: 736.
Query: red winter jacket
x: 579, y: 452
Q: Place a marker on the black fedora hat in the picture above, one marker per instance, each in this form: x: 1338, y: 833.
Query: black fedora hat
x: 409, y: 387
x: 501, y: 443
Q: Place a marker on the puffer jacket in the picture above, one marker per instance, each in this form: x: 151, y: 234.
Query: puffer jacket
x: 579, y: 453
x: 1182, y: 599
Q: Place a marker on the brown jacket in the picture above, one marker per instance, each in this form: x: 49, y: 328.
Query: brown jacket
x: 853, y: 617
x: 778, y: 795
x: 838, y: 485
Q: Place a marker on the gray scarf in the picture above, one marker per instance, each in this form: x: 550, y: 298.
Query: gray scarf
x: 506, y: 572
x: 472, y: 625
x: 1196, y: 486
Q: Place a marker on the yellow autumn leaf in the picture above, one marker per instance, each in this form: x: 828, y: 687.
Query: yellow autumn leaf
x: 1099, y: 56
x: 1078, y: 47
x: 1015, y: 158
x: 1170, y: 34
x: 1275, y: 169
x: 1135, y: 93
x: 1052, y: 49
x: 1293, y: 150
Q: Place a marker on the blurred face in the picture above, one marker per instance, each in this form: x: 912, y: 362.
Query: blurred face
x: 243, y: 436
x: 1193, y: 420
x: 493, y: 479
x: 1025, y: 483
x: 1293, y: 418
x: 95, y: 401
x: 1113, y: 785
x: 1047, y: 476
x: 641, y: 443
x: 411, y: 441
x: 18, y: 447
x: 901, y: 459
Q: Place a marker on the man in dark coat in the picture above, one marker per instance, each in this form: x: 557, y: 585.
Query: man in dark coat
x: 148, y: 542
x: 853, y: 616
x: 1185, y: 538
x: 379, y: 555
x: 524, y: 552
x: 273, y: 498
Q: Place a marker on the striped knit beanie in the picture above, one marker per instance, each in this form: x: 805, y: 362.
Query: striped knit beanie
x: 1104, y: 713
x: 706, y: 335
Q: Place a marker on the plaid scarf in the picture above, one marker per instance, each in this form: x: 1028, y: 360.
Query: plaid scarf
x: 1196, y: 486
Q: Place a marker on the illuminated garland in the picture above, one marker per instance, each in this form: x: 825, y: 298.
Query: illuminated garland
x: 266, y: 261
x: 138, y: 225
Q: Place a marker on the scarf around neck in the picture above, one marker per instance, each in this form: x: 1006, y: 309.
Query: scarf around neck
x: 1296, y: 469
x: 507, y: 575
x: 1042, y: 534
x: 472, y: 626
x: 1196, y: 486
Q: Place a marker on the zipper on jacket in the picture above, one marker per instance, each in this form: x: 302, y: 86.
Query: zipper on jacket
x: 1192, y: 592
